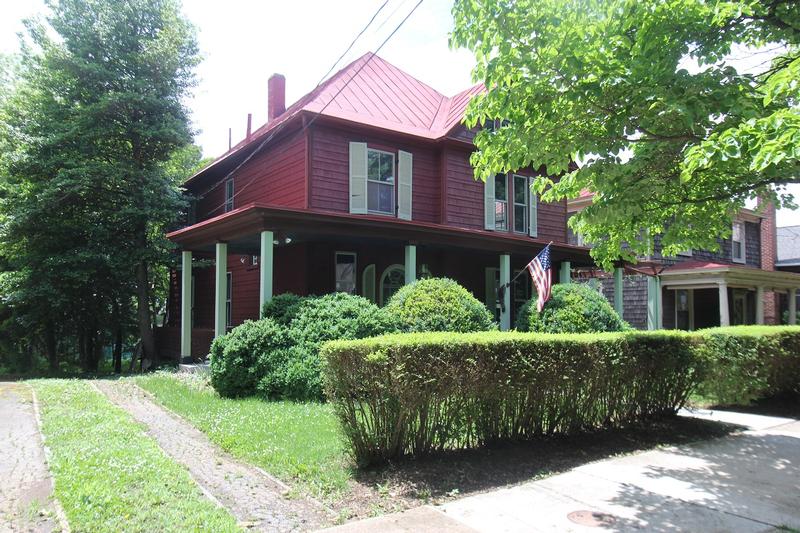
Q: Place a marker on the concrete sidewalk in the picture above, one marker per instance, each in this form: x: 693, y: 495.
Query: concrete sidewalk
x: 748, y: 481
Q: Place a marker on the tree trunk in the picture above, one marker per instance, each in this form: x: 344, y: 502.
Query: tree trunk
x: 118, y: 350
x: 143, y: 312
x: 51, y: 346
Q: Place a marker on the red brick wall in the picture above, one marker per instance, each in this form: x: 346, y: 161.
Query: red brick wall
x: 769, y: 254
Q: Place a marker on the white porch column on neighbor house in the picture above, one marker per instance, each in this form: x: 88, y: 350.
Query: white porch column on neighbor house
x: 618, y: 280
x: 265, y: 265
x: 505, y: 277
x: 759, y: 305
x: 654, y: 319
x: 411, y: 263
x: 564, y: 272
x: 221, y: 287
x: 186, y: 304
x: 793, y: 306
x: 724, y: 313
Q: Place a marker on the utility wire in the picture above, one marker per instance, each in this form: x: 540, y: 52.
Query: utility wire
x: 310, y: 122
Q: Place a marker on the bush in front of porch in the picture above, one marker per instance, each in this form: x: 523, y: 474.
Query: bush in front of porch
x: 572, y: 308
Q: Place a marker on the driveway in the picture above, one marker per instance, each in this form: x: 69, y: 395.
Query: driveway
x: 748, y: 481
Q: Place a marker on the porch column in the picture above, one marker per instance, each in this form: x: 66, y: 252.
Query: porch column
x: 564, y: 272
x: 265, y: 270
x: 724, y: 313
x: 411, y: 263
x: 186, y: 304
x: 220, y: 318
x: 505, y: 307
x: 792, y: 307
x: 618, y: 280
x: 759, y: 305
x: 653, y: 302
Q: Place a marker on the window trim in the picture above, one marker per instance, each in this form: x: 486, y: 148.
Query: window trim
x: 393, y: 211
x: 228, y: 299
x: 384, y: 275
x: 689, y: 303
x: 229, y: 195
x: 742, y: 242
x: 526, y: 205
x: 336, y: 255
x: 504, y: 202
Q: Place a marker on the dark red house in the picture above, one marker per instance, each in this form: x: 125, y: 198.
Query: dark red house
x: 362, y: 185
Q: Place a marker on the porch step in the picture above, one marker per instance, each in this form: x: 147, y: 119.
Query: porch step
x: 200, y: 368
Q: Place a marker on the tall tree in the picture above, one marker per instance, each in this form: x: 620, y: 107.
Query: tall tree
x: 98, y: 112
x: 641, y: 94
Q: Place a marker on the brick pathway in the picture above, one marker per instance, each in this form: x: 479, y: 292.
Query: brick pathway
x: 26, y: 488
x: 256, y: 499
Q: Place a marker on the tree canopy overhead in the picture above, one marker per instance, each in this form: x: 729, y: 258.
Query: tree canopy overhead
x: 670, y: 137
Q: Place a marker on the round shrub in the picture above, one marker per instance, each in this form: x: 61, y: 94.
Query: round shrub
x: 523, y: 321
x: 575, y: 308
x: 438, y: 304
x: 241, y: 359
x: 336, y: 316
x: 283, y: 308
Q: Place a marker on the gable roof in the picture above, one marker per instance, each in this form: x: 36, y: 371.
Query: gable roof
x: 373, y: 92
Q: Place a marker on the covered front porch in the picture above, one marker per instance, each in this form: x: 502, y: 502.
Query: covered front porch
x: 233, y: 264
x: 697, y: 296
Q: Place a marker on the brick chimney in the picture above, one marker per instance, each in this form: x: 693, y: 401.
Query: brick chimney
x: 769, y: 254
x: 276, y: 97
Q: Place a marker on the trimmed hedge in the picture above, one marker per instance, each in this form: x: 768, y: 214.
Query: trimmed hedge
x: 439, y: 304
x: 572, y: 308
x: 418, y: 393
x: 283, y: 308
x: 745, y: 363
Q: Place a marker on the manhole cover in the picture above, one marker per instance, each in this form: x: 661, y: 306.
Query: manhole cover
x: 591, y: 518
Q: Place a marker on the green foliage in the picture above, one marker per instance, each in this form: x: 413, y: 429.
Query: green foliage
x: 251, y: 356
x: 283, y: 308
x: 670, y: 137
x: 300, y: 443
x: 110, y: 475
x: 745, y: 363
x: 422, y: 392
x: 88, y: 182
x: 572, y: 308
x: 330, y: 317
x: 438, y: 304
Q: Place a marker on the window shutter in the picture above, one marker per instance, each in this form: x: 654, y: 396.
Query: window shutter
x: 488, y: 203
x: 368, y: 283
x: 358, y: 178
x: 404, y: 179
x: 533, y: 213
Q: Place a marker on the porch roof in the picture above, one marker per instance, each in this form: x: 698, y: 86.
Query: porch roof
x: 702, y: 273
x: 245, y: 223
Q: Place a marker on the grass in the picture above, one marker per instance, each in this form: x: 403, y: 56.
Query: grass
x: 109, y: 475
x: 300, y: 443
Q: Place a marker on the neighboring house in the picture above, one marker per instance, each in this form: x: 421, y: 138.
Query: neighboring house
x: 738, y: 284
x: 361, y: 186
x: 788, y: 256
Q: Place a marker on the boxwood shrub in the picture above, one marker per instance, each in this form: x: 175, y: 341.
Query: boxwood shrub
x: 283, y: 308
x: 417, y: 393
x: 438, y: 304
x: 572, y: 308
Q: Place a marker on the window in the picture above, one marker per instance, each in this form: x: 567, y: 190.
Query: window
x: 228, y: 300
x: 737, y: 243
x: 392, y: 279
x: 346, y: 272
x: 500, y: 202
x: 522, y: 195
x: 229, y: 195
x: 380, y: 182
x: 522, y: 290
x: 684, y: 309
x: 685, y: 253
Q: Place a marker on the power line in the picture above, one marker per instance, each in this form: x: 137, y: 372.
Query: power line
x: 310, y: 122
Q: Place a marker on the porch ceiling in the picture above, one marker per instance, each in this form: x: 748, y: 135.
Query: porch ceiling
x: 242, y: 226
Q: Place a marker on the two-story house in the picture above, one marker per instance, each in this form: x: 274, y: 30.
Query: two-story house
x: 738, y: 284
x: 361, y: 186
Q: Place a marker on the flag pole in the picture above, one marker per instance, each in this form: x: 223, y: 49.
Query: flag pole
x: 502, y: 288
x: 521, y: 271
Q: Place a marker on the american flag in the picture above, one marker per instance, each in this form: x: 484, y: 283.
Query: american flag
x: 539, y: 268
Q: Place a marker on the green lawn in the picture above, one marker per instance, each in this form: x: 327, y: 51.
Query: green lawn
x: 109, y: 475
x: 300, y: 443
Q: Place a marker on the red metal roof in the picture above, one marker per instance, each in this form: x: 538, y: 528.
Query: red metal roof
x: 378, y: 95
x: 703, y: 265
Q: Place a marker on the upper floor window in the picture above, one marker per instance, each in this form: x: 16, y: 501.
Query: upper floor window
x: 500, y: 202
x: 229, y: 195
x: 521, y: 198
x: 737, y: 243
x: 380, y: 182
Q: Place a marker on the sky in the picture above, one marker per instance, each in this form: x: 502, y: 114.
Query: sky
x: 244, y: 42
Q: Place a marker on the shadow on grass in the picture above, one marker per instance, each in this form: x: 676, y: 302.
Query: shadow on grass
x: 448, y: 474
